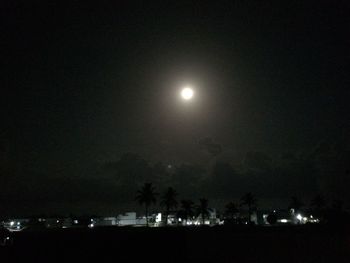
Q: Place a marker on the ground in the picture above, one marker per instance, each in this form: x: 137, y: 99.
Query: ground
x: 314, y: 243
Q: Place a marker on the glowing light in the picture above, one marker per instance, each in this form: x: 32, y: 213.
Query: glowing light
x: 284, y: 221
x: 12, y: 223
x: 159, y: 218
x: 299, y: 217
x: 187, y: 93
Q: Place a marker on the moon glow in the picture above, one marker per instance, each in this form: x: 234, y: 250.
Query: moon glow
x: 187, y: 93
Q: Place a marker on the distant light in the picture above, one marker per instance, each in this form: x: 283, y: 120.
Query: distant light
x: 57, y: 221
x: 305, y: 218
x: 311, y: 216
x: 18, y: 223
x: 12, y: 223
x: 75, y: 221
x: 159, y: 217
x: 299, y: 217
x: 187, y: 93
x: 284, y: 220
x: 91, y: 225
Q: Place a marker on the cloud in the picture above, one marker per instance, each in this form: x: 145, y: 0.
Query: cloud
x: 210, y: 146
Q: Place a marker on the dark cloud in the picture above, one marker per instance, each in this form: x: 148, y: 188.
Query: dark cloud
x: 207, y: 144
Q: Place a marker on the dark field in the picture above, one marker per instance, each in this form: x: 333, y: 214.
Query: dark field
x: 314, y: 243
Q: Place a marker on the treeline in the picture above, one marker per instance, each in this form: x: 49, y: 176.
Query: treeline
x: 235, y: 212
x: 185, y: 208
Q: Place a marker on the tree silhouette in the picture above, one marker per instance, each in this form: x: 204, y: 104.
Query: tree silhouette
x: 249, y: 200
x: 231, y: 210
x: 186, y: 211
x: 146, y: 196
x: 169, y: 202
x: 203, y: 209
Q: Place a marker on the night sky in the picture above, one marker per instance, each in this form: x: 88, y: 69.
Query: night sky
x: 82, y: 85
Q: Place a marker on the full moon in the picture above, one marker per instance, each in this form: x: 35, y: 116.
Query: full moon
x: 187, y: 93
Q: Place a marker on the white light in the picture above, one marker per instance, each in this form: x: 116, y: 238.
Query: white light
x: 284, y: 221
x: 187, y: 93
x: 158, y: 218
x: 299, y: 217
x: 12, y: 223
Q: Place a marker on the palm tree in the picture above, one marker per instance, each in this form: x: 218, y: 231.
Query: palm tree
x: 203, y: 209
x: 169, y: 202
x: 186, y: 209
x: 146, y: 196
x: 295, y: 204
x: 249, y: 200
x: 231, y: 210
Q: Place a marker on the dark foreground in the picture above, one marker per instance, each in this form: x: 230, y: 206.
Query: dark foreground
x: 314, y: 243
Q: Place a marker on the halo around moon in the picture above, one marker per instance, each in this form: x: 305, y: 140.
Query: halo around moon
x: 187, y: 93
